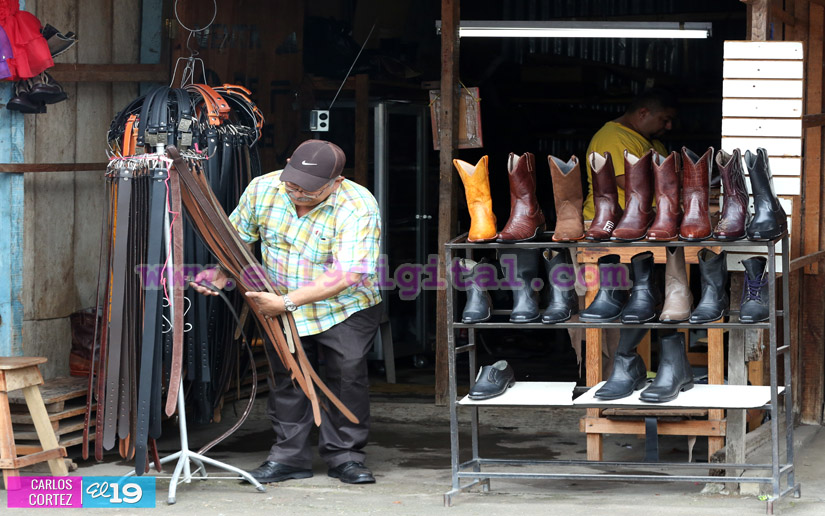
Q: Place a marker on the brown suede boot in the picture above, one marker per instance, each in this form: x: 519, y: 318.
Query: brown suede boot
x: 526, y: 218
x: 567, y: 192
x: 735, y: 214
x: 696, y: 195
x: 638, y: 212
x: 605, y: 198
x: 479, y: 203
x: 668, y: 208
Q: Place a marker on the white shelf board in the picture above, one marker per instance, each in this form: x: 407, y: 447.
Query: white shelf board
x: 700, y: 396
x: 537, y: 394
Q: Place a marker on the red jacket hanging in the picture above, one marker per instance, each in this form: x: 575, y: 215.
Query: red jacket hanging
x: 30, y: 52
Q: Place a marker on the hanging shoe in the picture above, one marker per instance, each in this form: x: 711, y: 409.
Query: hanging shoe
x: 474, y: 275
x: 678, y: 298
x: 715, y: 299
x: 645, y: 301
x: 605, y: 198
x: 612, y: 294
x: 638, y: 211
x: 525, y: 296
x: 46, y: 90
x: 479, y: 203
x: 629, y: 370
x: 526, y: 218
x: 696, y: 195
x: 668, y: 202
x: 674, y: 374
x: 58, y: 42
x: 564, y: 301
x: 769, y: 219
x: 567, y: 192
x: 735, y: 214
x: 755, y: 293
x: 22, y: 101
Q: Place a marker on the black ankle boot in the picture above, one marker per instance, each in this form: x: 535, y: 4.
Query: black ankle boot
x: 754, y: 306
x: 629, y: 371
x: 769, y: 219
x: 645, y: 301
x: 715, y: 300
x: 525, y: 298
x: 561, y: 278
x: 612, y: 291
x: 478, y: 306
x: 674, y: 374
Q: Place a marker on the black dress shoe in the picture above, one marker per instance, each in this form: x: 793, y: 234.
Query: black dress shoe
x: 271, y: 471
x: 352, y: 472
x: 493, y: 381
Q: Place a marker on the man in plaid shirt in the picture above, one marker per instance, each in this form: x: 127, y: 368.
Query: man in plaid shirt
x: 319, y: 236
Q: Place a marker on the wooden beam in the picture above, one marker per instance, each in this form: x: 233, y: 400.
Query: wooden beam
x: 782, y: 15
x: 18, y: 168
x: 448, y: 139
x: 600, y: 425
x: 806, y: 260
x: 69, y: 72
x: 812, y: 175
x: 809, y: 121
x: 758, y: 19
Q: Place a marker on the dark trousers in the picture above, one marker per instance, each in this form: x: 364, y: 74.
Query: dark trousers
x: 345, y: 347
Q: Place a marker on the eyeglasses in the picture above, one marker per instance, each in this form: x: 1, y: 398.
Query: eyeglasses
x: 291, y: 189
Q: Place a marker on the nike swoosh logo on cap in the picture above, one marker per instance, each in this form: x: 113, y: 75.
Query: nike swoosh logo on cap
x: 305, y: 163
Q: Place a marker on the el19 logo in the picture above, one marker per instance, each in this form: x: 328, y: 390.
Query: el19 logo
x: 118, y: 491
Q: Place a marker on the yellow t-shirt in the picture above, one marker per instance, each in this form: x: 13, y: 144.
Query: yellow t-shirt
x: 615, y: 138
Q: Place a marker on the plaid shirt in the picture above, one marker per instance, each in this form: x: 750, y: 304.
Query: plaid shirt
x: 341, y: 233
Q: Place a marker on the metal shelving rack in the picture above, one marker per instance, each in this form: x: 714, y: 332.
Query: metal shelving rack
x: 471, y: 470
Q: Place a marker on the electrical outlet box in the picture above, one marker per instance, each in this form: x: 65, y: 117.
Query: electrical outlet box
x: 319, y: 120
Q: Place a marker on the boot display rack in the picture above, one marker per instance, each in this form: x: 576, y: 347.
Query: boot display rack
x: 469, y: 473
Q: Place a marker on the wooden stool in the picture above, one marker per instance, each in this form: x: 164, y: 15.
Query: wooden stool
x: 24, y: 373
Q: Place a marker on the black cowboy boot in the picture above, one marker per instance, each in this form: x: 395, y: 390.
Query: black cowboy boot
x: 629, y: 371
x: 715, y: 300
x: 612, y: 291
x: 645, y: 301
x: 21, y: 101
x: 43, y: 88
x: 755, y: 293
x: 525, y: 298
x: 561, y: 277
x: 674, y: 374
x: 769, y: 219
x: 478, y: 306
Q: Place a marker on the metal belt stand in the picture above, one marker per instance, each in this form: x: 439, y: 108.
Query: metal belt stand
x: 471, y: 470
x: 185, y: 454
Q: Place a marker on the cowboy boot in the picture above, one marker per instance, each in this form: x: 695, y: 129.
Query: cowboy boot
x: 629, y: 370
x: 668, y: 206
x: 478, y: 305
x: 479, y: 203
x: 612, y: 294
x: 526, y: 218
x: 755, y: 292
x: 605, y: 198
x: 524, y: 272
x: 715, y: 299
x: 638, y: 212
x: 46, y: 90
x: 645, y: 301
x: 567, y: 192
x: 674, y: 374
x: 561, y: 277
x: 21, y: 101
x: 678, y: 298
x: 735, y: 214
x: 696, y: 195
x: 769, y: 219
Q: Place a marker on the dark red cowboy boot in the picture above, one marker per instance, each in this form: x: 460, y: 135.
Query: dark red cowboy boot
x: 605, y: 198
x: 638, y: 212
x: 735, y: 215
x: 696, y: 195
x: 526, y: 218
x: 668, y: 207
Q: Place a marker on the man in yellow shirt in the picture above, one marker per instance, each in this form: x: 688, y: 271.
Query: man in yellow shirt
x: 648, y: 117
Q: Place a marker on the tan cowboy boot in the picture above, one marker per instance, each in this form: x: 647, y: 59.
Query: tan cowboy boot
x: 678, y: 299
x: 567, y: 192
x: 480, y: 205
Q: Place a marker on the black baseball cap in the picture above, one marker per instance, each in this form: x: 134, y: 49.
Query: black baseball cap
x: 313, y: 164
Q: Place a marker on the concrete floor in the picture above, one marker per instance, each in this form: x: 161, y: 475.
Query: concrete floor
x: 409, y: 454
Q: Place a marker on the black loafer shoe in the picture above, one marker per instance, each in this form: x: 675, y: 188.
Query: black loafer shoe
x: 493, y: 381
x: 271, y: 471
x: 352, y: 472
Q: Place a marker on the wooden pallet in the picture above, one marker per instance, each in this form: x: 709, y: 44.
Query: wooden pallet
x: 55, y: 394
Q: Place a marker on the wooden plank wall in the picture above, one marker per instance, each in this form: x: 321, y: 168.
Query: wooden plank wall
x: 64, y: 210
